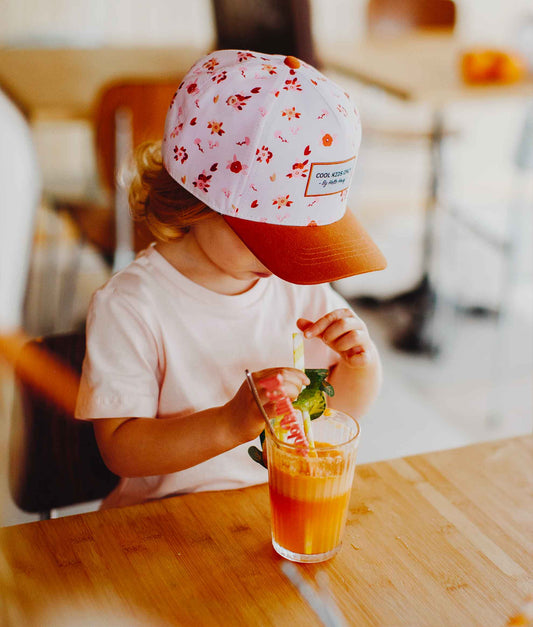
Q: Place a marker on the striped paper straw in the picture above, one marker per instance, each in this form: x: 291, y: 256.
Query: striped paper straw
x: 298, y: 351
x: 308, y: 429
x: 299, y: 363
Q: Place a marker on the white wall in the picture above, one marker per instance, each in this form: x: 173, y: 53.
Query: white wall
x: 106, y: 22
x: 190, y: 21
x: 391, y: 178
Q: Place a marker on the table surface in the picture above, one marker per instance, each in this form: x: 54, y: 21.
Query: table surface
x: 422, y: 66
x: 442, y: 538
x: 63, y: 83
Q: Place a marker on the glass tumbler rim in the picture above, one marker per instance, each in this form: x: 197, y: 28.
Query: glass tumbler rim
x: 289, y: 446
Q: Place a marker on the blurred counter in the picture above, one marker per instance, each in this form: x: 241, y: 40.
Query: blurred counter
x: 62, y: 83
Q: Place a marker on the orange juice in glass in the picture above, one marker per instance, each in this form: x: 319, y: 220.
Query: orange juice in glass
x: 309, y: 493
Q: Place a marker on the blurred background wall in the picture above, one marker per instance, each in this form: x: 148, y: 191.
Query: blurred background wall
x: 392, y: 178
x: 110, y: 22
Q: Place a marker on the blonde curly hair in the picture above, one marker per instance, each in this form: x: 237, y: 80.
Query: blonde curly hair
x: 156, y: 199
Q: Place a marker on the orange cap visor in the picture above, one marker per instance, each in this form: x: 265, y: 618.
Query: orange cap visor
x: 308, y: 255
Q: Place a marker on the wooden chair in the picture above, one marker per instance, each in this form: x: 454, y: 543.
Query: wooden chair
x: 126, y: 114
x: 271, y: 26
x: 54, y: 458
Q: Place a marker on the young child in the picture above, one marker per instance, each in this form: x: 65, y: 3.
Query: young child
x: 246, y: 198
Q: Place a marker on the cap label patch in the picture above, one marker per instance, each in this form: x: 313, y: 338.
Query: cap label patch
x: 329, y: 178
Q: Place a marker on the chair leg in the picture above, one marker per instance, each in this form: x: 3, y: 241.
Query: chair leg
x: 48, y: 514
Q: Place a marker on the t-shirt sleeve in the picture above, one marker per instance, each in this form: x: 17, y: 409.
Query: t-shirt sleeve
x: 120, y: 375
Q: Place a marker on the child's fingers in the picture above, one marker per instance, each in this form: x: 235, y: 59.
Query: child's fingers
x: 354, y: 341
x: 320, y: 325
x: 293, y: 381
x: 356, y: 357
x: 352, y: 326
x: 335, y: 322
x: 343, y: 332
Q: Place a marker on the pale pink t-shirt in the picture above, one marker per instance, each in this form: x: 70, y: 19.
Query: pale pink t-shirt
x: 161, y: 345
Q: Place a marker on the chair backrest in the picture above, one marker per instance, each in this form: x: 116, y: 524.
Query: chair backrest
x: 394, y: 17
x: 271, y: 26
x: 146, y: 101
x: 54, y: 458
x: 135, y: 111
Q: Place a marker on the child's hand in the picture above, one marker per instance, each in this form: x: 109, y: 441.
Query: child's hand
x: 293, y: 382
x: 344, y: 332
x: 247, y: 422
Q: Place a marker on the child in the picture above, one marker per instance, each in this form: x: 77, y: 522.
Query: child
x: 247, y: 200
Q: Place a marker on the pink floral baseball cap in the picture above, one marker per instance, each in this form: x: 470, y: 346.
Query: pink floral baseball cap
x: 271, y: 144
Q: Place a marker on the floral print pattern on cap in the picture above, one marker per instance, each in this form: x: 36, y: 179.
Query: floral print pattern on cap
x: 263, y: 137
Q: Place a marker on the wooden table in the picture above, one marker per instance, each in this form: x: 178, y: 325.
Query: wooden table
x: 422, y: 66
x: 438, y: 539
x: 62, y: 83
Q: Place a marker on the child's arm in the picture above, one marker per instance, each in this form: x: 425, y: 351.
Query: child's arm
x: 357, y: 377
x: 136, y: 447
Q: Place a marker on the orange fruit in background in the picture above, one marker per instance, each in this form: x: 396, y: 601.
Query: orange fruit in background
x: 509, y: 68
x: 476, y: 66
x: 486, y: 66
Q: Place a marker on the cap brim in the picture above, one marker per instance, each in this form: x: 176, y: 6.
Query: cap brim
x: 311, y: 254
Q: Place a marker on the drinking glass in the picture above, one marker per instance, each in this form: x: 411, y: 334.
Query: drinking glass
x: 309, y: 492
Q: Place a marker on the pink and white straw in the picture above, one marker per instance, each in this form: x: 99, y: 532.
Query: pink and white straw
x: 288, y: 418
